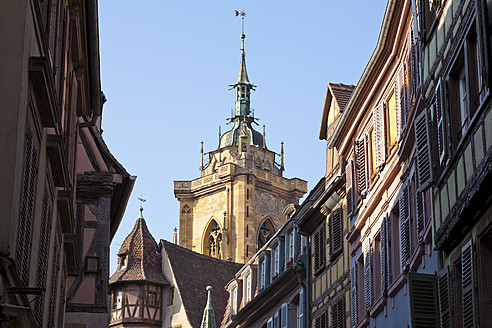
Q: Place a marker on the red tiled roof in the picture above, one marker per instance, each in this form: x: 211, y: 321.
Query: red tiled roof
x: 143, y: 259
x: 193, y: 272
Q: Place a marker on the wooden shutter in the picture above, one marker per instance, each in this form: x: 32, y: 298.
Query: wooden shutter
x: 353, y: 294
x: 320, y: 321
x: 24, y: 237
x: 400, y: 103
x: 383, y: 257
x: 424, y: 150
x: 445, y: 296
x: 441, y: 124
x: 319, y: 248
x: 379, y: 135
x: 421, y: 211
x: 338, y: 314
x: 405, y: 225
x: 336, y: 231
x: 349, y: 186
x: 368, y: 290
x: 468, y: 286
x: 411, y: 68
x: 360, y: 153
x: 423, y: 300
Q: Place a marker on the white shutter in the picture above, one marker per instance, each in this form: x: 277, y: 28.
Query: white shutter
x: 349, y: 186
x: 468, y: 286
x: 445, y: 297
x: 424, y: 150
x: 360, y: 153
x: 353, y: 295
x: 379, y: 135
x: 368, y: 290
x: 400, y: 101
x: 300, y: 310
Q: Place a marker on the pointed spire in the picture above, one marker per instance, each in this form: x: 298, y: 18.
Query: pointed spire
x: 243, y: 73
x: 175, y: 236
x: 208, y: 320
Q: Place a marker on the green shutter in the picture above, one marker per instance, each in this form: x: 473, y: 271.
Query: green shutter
x: 423, y: 300
x: 424, y: 150
x: 468, y: 286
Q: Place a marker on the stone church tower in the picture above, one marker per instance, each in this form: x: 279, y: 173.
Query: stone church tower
x: 241, y: 197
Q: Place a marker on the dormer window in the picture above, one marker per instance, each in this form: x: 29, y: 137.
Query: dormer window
x: 262, y: 273
x: 123, y: 261
x: 276, y: 260
x: 234, y: 301
x: 291, y: 246
x: 248, y: 287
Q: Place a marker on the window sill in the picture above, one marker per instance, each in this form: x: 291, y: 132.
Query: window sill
x: 364, y: 322
x: 395, y: 287
x: 378, y: 306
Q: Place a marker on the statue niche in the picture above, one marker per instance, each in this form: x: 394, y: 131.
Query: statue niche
x: 265, y: 232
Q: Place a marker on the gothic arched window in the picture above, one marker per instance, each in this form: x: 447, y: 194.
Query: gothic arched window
x: 213, y: 240
x: 265, y: 232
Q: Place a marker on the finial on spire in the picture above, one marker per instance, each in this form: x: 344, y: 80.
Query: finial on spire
x: 201, y: 156
x: 142, y: 200
x: 264, y: 133
x: 175, y: 236
x: 282, y: 168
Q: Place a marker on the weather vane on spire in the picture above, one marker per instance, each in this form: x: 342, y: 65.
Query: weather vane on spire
x: 241, y: 13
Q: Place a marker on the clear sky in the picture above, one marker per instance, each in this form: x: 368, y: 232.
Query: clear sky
x: 166, y: 67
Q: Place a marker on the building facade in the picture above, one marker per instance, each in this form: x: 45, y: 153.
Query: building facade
x: 270, y: 290
x: 52, y: 103
x: 236, y: 205
x: 327, y: 225
x: 454, y: 146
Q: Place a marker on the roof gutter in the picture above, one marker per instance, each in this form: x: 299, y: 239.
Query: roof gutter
x: 365, y: 75
x: 94, y: 61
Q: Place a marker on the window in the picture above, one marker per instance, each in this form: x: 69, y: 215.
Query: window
x: 291, y: 246
x: 123, y: 261
x: 336, y: 232
x: 338, y: 314
x: 234, y: 301
x: 248, y: 288
x: 119, y: 300
x: 92, y: 264
x: 276, y: 260
x: 320, y: 321
x: 262, y: 273
x: 151, y: 299
x: 300, y: 310
x: 270, y: 323
x: 284, y: 315
x: 319, y: 249
x: 427, y: 12
x: 170, y: 298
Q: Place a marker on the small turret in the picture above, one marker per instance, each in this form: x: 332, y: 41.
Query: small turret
x: 208, y: 320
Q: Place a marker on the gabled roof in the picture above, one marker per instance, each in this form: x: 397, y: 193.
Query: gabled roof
x: 143, y: 261
x: 193, y: 273
x: 341, y: 94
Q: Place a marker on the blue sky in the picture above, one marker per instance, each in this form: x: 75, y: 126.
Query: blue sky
x: 166, y: 67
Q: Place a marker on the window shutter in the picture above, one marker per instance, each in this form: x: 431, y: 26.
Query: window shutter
x: 24, y: 237
x: 300, y: 310
x: 441, y: 124
x: 400, y: 103
x: 379, y: 135
x: 484, y: 16
x: 383, y: 257
x: 405, y: 229
x: 424, y: 150
x: 319, y: 248
x: 338, y: 314
x: 320, y: 321
x: 284, y: 316
x: 388, y: 252
x: 421, y: 212
x: 353, y: 294
x: 445, y: 294
x: 361, y: 166
x: 368, y: 291
x: 468, y: 286
x: 411, y: 67
x: 349, y: 186
x: 423, y: 300
x: 336, y: 231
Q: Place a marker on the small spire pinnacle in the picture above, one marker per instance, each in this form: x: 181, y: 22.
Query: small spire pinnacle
x: 201, y: 156
x: 243, y: 74
x: 282, y: 168
x: 264, y: 134
x: 208, y: 320
x: 142, y: 200
x: 175, y: 236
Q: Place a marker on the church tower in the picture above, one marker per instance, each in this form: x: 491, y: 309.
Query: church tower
x: 239, y: 200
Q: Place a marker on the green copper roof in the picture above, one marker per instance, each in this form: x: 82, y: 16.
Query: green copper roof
x: 208, y: 320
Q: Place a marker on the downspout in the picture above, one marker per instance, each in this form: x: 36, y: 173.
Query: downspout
x: 96, y: 99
